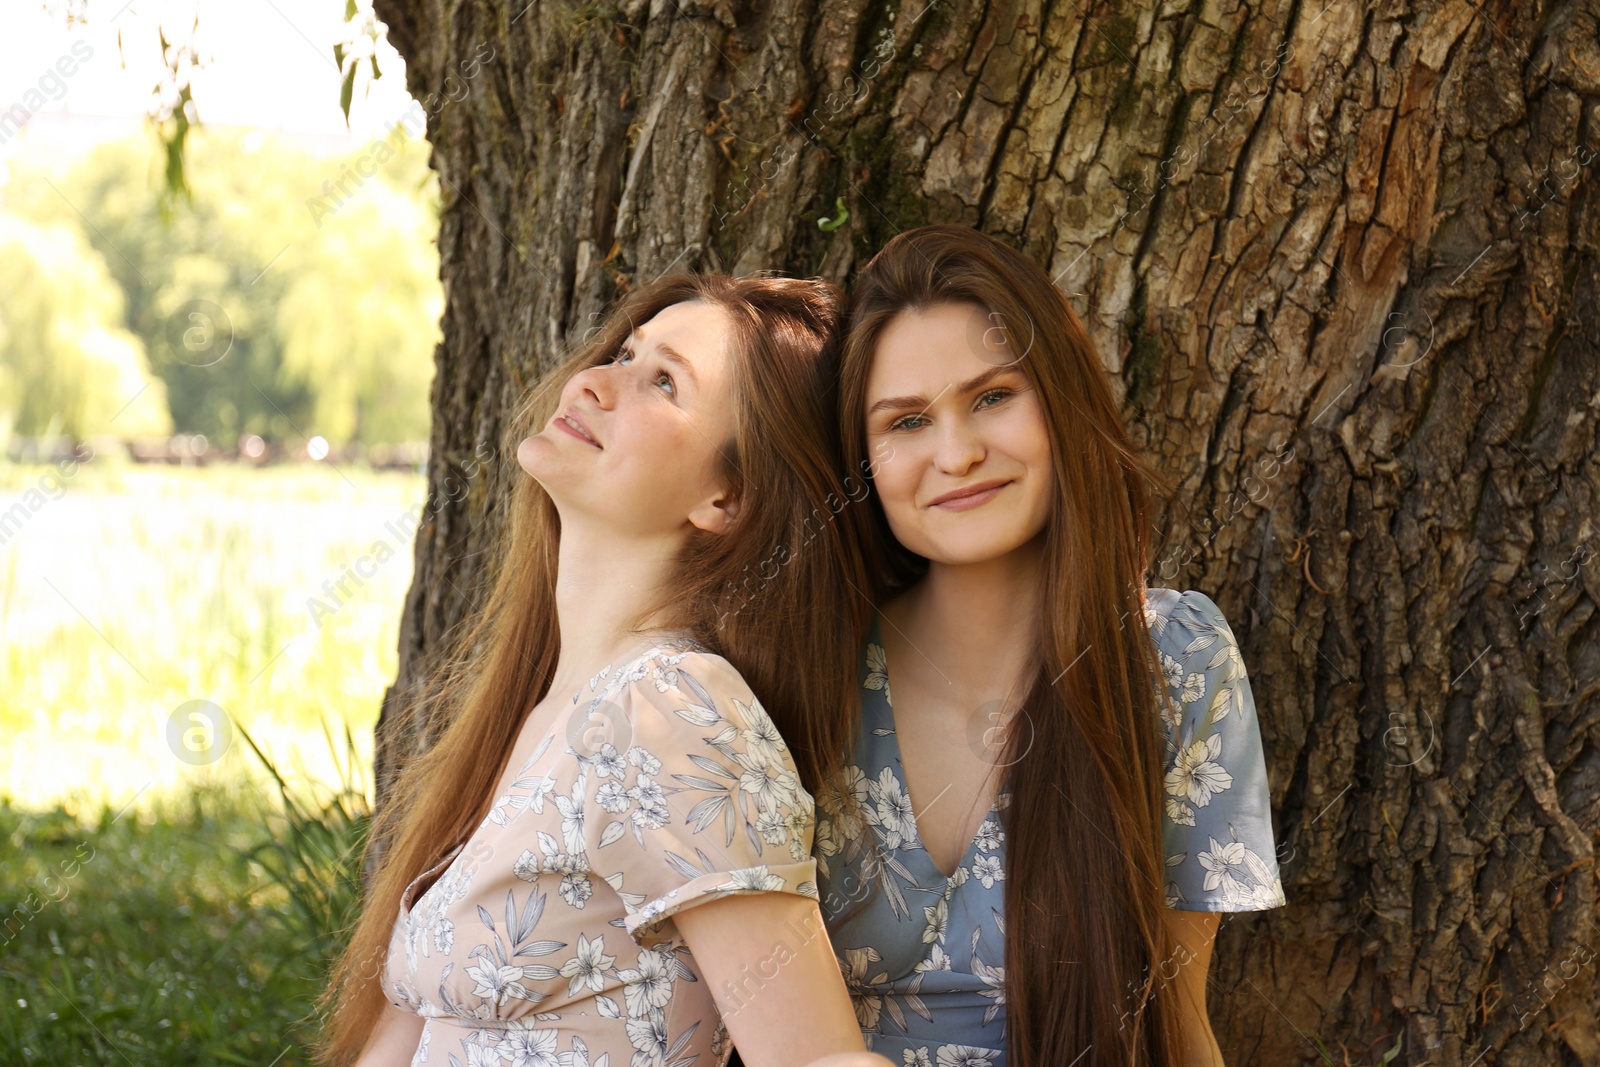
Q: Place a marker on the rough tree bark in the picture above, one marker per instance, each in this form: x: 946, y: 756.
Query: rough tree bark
x: 1339, y: 258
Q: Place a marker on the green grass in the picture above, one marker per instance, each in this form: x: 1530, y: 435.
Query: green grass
x: 188, y: 932
x: 175, y: 913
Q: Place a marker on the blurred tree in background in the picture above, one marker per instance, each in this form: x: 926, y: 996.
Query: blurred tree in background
x: 292, y: 296
x: 67, y: 362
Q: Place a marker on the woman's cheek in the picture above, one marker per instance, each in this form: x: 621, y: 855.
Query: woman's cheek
x: 1026, y: 432
x: 1028, y: 440
x: 896, y: 482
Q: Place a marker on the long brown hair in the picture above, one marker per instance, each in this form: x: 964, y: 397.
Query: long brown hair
x: 779, y: 597
x: 1084, y: 896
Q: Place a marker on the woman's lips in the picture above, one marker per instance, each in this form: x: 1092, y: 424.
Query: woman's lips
x: 971, y: 500
x: 561, y: 421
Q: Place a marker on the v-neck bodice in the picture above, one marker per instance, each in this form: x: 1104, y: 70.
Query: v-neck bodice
x: 910, y: 938
x: 884, y: 721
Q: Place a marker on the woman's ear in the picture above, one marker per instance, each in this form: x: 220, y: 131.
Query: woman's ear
x: 717, y: 515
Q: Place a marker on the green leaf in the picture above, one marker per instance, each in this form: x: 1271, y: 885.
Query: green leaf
x: 827, y: 225
x: 346, y: 91
x: 173, y: 132
x: 1322, y: 1049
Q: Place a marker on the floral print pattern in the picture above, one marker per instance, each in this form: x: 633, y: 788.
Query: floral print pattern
x: 923, y: 954
x: 547, y: 939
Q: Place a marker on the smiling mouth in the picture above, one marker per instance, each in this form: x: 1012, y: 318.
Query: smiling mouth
x: 577, y: 429
x: 976, y: 494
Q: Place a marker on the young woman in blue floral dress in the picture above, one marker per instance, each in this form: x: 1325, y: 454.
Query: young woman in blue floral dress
x: 1026, y: 857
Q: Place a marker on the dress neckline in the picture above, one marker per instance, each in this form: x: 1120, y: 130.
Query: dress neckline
x: 675, y: 640
x: 664, y: 639
x: 414, y: 892
x: 897, y: 768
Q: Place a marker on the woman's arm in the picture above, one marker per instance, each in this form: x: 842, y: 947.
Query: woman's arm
x: 1193, y: 932
x: 771, y: 969
x: 394, y: 1039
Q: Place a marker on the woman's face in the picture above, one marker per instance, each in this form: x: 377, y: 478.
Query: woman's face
x: 636, y: 442
x: 951, y: 398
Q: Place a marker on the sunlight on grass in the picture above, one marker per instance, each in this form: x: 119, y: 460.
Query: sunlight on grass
x: 187, y: 930
x: 128, y: 591
x: 160, y: 905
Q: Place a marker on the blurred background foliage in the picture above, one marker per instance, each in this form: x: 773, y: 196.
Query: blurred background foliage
x: 155, y: 907
x: 292, y: 294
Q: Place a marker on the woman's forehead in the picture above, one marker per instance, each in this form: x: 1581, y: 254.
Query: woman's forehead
x: 943, y: 345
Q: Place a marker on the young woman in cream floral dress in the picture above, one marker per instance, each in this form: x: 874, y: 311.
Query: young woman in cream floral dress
x: 603, y: 859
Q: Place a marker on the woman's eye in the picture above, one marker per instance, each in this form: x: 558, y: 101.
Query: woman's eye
x: 902, y: 424
x: 1001, y: 393
x: 625, y: 356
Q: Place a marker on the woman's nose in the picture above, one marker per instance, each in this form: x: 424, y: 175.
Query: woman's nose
x: 596, y: 384
x: 959, y: 446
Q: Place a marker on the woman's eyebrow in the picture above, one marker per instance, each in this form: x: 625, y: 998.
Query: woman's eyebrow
x: 977, y: 382
x: 671, y: 355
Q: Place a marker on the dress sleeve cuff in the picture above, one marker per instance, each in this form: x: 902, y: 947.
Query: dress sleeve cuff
x: 652, y: 922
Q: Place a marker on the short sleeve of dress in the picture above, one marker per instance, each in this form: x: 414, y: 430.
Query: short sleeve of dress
x: 1217, y: 836
x: 694, y: 796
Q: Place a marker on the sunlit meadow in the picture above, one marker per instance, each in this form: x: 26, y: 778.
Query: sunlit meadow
x: 136, y: 589
x: 161, y: 906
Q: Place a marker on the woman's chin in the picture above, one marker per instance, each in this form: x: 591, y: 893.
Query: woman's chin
x: 980, y: 547
x: 533, y: 456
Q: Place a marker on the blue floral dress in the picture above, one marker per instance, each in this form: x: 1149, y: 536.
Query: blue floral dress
x: 924, y: 956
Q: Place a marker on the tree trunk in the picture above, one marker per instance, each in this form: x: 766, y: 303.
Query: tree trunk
x: 1336, y: 257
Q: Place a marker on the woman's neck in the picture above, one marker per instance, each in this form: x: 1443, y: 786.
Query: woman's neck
x: 978, y: 622
x: 603, y: 580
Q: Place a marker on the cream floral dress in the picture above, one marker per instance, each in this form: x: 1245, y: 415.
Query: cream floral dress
x: 547, y: 939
